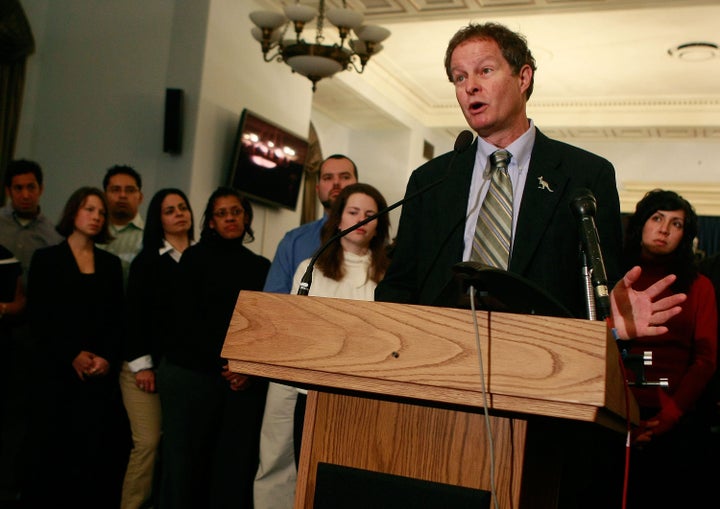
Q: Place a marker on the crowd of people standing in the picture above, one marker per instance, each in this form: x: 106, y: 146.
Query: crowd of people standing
x: 126, y: 318
x: 129, y: 403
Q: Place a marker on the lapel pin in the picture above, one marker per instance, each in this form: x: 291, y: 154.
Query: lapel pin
x: 542, y: 184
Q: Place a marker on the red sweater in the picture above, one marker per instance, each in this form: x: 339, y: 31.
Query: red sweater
x: 686, y: 354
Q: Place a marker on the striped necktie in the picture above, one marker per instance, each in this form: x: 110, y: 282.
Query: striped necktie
x: 491, y: 244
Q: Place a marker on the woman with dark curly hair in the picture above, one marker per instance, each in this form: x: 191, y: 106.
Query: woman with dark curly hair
x: 211, y: 416
x: 673, y: 431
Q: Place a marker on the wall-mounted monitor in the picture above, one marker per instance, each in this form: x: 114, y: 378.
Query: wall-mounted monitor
x: 268, y: 161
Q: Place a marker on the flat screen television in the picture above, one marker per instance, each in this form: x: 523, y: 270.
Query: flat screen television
x: 268, y: 161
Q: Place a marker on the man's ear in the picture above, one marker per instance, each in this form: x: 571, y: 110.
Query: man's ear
x: 525, y: 74
x: 141, y: 197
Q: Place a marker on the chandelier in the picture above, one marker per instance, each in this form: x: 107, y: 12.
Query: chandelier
x: 316, y: 59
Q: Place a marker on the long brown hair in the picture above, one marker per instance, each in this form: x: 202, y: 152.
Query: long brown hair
x: 330, y: 262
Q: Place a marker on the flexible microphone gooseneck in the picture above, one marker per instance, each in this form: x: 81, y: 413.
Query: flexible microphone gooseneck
x: 584, y: 206
x: 462, y: 142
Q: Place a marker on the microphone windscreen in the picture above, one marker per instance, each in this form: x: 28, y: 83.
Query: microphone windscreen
x: 463, y: 141
x: 582, y: 202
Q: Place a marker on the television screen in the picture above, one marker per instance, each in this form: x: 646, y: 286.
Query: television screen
x: 267, y: 162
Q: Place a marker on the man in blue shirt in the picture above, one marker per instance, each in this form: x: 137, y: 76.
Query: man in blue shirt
x: 276, y: 476
x: 336, y: 172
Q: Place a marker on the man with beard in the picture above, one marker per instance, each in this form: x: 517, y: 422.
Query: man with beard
x: 336, y: 172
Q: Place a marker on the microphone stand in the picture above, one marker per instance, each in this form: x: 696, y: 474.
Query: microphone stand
x: 586, y: 277
x: 584, y: 206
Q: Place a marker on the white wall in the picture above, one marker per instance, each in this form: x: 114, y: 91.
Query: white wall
x: 661, y: 160
x: 384, y: 157
x: 95, y: 91
x: 236, y: 77
x: 690, y: 167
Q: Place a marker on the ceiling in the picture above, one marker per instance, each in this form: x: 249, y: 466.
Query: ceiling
x: 604, y: 70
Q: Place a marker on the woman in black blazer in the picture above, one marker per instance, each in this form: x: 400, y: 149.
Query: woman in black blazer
x: 75, y: 300
x: 151, y: 310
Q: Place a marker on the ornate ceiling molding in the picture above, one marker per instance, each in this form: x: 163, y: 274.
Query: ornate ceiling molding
x: 703, y: 196
x: 388, y: 11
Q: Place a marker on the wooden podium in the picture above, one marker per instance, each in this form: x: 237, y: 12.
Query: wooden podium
x: 397, y: 389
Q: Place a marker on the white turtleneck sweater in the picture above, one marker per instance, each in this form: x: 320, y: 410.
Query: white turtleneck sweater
x: 355, y: 285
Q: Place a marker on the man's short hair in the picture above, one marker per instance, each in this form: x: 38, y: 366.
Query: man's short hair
x: 340, y: 156
x: 21, y: 167
x: 121, y: 169
x: 513, y: 46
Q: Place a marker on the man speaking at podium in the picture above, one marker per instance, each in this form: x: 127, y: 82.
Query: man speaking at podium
x: 505, y: 202
x: 461, y: 219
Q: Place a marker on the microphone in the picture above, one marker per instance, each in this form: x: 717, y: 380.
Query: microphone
x: 462, y: 142
x: 584, y: 206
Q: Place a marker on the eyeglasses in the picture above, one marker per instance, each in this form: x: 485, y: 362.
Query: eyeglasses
x: 237, y: 211
x: 120, y: 189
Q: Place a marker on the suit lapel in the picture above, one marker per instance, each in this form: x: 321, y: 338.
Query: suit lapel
x: 454, y: 200
x: 538, y: 204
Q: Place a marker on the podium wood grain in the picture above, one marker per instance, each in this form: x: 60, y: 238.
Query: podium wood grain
x: 533, y: 365
x: 385, y: 437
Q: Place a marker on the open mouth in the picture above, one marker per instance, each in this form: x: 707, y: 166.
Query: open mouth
x: 476, y: 106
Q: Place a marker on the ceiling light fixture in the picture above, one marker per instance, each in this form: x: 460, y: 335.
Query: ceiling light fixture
x: 695, y: 51
x: 316, y: 60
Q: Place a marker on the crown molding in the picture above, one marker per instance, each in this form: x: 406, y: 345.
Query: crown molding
x: 704, y: 197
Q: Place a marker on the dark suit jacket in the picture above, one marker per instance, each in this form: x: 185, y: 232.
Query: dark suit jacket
x: 152, y: 287
x: 70, y: 312
x: 546, y: 246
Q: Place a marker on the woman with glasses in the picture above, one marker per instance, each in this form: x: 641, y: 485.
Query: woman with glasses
x: 169, y: 231
x: 75, y: 300
x: 211, y: 417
